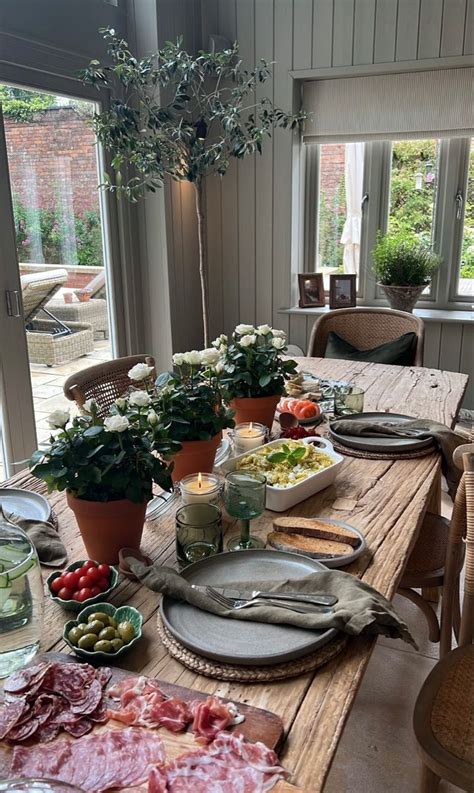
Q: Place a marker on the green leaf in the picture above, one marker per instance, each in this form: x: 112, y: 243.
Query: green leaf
x: 264, y: 380
x: 92, y: 432
x: 277, y: 457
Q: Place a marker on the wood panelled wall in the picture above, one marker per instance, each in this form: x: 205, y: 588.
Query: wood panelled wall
x: 252, y: 261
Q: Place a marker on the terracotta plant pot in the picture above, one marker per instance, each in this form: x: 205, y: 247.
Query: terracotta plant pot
x: 257, y: 409
x: 108, y: 526
x: 195, y: 456
x: 403, y: 298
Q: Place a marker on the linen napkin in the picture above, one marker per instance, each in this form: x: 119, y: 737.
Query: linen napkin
x: 446, y: 440
x: 360, y: 609
x: 51, y: 552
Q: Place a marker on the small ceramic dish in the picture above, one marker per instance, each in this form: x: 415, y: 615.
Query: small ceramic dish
x: 123, y: 566
x: 120, y: 614
x: 73, y: 605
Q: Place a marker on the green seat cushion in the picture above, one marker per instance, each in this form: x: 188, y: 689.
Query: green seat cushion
x: 400, y: 351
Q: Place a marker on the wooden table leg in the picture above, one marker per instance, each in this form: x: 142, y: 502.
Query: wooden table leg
x: 432, y: 594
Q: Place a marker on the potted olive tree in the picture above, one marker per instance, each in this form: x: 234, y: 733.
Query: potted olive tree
x: 404, y: 266
x: 184, y: 116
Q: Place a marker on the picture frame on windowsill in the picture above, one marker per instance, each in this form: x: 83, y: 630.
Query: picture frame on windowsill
x: 311, y: 288
x: 342, y: 290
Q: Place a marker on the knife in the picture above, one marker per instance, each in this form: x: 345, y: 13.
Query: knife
x: 314, y: 598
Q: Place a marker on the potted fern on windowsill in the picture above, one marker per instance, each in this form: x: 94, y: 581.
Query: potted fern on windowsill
x: 404, y: 267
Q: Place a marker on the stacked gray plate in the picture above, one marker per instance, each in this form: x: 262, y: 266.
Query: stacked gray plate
x: 382, y: 444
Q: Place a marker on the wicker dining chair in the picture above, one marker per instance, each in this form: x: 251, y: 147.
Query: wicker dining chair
x: 365, y: 328
x: 444, y: 711
x: 104, y: 382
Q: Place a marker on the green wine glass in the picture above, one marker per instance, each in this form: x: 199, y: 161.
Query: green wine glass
x: 244, y: 498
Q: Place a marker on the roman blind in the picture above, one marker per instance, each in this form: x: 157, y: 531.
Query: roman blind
x: 436, y: 103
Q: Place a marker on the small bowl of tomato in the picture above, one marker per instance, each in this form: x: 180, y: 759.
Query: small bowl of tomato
x: 81, y: 584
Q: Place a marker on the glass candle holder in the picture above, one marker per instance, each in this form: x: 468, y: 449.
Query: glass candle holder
x: 199, y: 489
x: 248, y: 435
x: 198, y: 532
x: 349, y: 400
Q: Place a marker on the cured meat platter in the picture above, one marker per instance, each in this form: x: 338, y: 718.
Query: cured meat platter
x: 254, y: 724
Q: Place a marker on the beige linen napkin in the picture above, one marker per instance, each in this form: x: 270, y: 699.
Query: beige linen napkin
x: 51, y: 552
x: 446, y: 440
x: 360, y: 608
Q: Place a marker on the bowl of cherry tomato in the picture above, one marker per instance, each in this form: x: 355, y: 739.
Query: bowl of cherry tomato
x: 81, y: 584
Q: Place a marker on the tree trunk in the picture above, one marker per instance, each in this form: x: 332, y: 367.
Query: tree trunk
x: 202, y: 237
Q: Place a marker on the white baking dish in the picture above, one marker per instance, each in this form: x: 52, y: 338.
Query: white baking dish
x: 280, y: 499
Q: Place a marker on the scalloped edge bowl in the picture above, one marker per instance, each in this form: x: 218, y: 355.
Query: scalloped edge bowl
x: 126, y: 612
x: 73, y: 605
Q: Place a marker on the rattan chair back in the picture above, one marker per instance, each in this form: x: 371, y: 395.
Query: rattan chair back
x: 104, y: 382
x: 38, y: 288
x: 365, y: 328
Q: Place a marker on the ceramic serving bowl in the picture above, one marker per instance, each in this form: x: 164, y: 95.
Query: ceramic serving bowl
x: 280, y: 499
x: 120, y: 614
x: 73, y: 605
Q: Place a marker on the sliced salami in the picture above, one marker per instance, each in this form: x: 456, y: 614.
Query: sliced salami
x: 11, y: 714
x: 26, y: 678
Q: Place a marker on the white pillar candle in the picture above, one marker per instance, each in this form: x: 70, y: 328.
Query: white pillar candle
x: 199, y: 488
x: 248, y: 436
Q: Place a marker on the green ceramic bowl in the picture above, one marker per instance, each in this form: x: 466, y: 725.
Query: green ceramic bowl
x: 120, y: 614
x: 73, y: 605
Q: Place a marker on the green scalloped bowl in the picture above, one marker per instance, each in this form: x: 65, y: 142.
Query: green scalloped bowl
x: 121, y: 613
x: 73, y: 605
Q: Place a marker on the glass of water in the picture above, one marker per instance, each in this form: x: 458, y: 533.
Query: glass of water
x: 198, y: 532
x: 21, y: 600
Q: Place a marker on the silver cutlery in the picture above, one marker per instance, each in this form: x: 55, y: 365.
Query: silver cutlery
x: 314, y: 597
x: 237, y: 604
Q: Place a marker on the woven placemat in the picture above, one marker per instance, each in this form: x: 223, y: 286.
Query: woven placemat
x: 249, y: 674
x: 350, y: 452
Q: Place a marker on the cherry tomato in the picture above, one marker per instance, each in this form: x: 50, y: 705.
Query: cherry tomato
x: 92, y: 576
x: 89, y: 563
x: 71, y: 579
x: 95, y: 591
x: 76, y: 596
x: 84, y: 594
x: 84, y: 581
x: 103, y: 584
x: 104, y: 570
x: 57, y: 584
x: 65, y: 593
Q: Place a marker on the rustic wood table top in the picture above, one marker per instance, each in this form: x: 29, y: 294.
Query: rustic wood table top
x: 386, y: 499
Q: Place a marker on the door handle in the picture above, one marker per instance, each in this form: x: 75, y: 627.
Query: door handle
x: 364, y: 201
x: 13, y: 303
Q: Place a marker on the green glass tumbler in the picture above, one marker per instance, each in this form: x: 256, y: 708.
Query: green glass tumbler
x: 198, y: 532
x: 349, y: 400
x: 244, y: 498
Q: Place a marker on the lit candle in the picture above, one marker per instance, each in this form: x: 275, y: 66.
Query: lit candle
x: 199, y: 488
x: 248, y: 436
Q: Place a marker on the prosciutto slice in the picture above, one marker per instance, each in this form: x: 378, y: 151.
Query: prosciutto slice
x: 111, y: 759
x: 228, y: 765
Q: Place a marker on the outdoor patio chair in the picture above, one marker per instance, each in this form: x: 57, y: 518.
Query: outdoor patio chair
x: 92, y: 311
x: 366, y: 328
x: 443, y: 718
x: 105, y: 382
x: 51, y: 341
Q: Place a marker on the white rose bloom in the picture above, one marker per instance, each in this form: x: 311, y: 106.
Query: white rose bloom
x: 193, y: 358
x: 89, y: 405
x: 221, y: 341
x: 178, y: 358
x: 248, y: 341
x: 116, y: 424
x: 139, y: 399
x: 152, y: 417
x: 264, y: 330
x: 278, y: 343
x: 121, y: 403
x: 219, y: 367
x: 58, y: 419
x: 210, y: 356
x: 140, y: 371
x: 243, y: 330
x: 278, y: 334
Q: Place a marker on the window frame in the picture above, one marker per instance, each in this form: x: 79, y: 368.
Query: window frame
x: 447, y: 228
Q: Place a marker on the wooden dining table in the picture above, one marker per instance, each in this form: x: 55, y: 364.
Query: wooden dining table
x: 385, y: 499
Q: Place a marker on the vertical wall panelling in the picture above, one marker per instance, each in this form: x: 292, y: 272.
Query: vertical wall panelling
x: 230, y: 248
x: 364, y: 30
x: 469, y: 29
x: 214, y: 252
x: 264, y: 177
x: 467, y: 348
x: 450, y: 346
x: 429, y: 36
x: 407, y: 30
x: 452, y: 33
x: 209, y: 21
x: 432, y: 344
x: 246, y: 170
x: 191, y: 281
x: 322, y: 33
x: 282, y: 173
x: 342, y: 32
x: 298, y: 331
x: 302, y: 34
x: 385, y: 31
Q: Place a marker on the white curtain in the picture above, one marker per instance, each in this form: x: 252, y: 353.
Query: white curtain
x: 354, y: 175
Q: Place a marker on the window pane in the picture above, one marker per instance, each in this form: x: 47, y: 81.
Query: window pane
x: 341, y: 176
x: 466, y: 272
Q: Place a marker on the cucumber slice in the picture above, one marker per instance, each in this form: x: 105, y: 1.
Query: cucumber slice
x: 4, y: 580
x: 22, y: 569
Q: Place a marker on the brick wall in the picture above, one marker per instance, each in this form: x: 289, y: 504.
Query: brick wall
x: 331, y: 169
x: 50, y: 155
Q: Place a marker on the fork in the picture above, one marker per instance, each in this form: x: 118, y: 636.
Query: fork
x: 237, y: 605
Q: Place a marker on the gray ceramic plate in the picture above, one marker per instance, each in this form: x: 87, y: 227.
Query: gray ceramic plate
x: 24, y: 503
x: 236, y: 641
x: 342, y: 561
x: 380, y: 444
